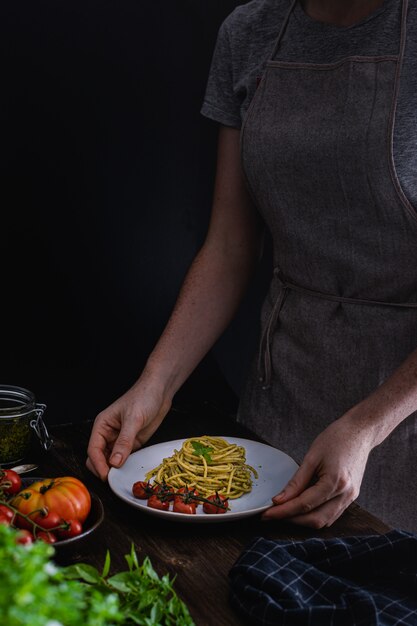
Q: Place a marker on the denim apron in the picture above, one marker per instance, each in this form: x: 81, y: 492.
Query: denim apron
x: 341, y: 312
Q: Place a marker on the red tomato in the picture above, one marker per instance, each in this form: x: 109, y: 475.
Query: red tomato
x: 162, y: 489
x: 47, y: 537
x: 22, y: 522
x: 5, y: 520
x: 7, y: 512
x: 217, y: 504
x: 184, y: 507
x: 187, y: 495
x: 73, y: 529
x: 156, y: 503
x: 24, y: 537
x: 142, y: 489
x: 66, y: 495
x: 10, y: 481
x: 49, y: 520
x: 185, y: 501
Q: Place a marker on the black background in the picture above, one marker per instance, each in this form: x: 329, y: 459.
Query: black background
x: 106, y: 175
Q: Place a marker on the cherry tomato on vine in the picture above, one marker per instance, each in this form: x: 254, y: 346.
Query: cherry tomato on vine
x: 22, y: 522
x: 49, y: 520
x: 185, y: 494
x: 217, y: 504
x: 24, y: 537
x: 165, y: 491
x: 154, y: 502
x: 45, y: 536
x: 10, y: 481
x: 142, y: 489
x: 7, y: 512
x: 5, y: 520
x: 73, y: 529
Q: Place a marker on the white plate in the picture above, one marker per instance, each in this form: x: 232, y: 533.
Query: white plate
x: 274, y: 469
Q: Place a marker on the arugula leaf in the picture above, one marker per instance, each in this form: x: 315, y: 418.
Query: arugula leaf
x: 202, y: 450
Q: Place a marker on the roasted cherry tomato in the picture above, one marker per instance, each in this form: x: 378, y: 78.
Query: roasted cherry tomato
x: 24, y: 537
x: 185, y: 494
x: 142, y: 489
x: 154, y: 502
x: 184, y: 507
x: 46, y: 536
x: 10, y: 481
x: 73, y: 528
x: 217, y: 504
x: 185, y: 501
x: 165, y: 491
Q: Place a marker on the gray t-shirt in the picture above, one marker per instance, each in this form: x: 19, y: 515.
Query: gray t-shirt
x: 246, y: 40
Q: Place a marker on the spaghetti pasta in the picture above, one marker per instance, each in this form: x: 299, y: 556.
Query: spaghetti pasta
x: 208, y: 464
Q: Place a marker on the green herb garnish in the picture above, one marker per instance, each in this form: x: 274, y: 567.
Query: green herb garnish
x: 36, y: 591
x: 202, y: 450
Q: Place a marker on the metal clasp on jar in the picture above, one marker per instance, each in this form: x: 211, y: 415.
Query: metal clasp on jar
x: 39, y: 427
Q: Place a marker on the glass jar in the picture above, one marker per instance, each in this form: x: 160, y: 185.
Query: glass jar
x: 20, y: 415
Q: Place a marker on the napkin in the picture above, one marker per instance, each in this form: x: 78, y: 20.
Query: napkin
x: 352, y: 581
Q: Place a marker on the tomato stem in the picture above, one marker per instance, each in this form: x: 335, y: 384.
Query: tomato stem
x: 35, y: 527
x: 186, y: 495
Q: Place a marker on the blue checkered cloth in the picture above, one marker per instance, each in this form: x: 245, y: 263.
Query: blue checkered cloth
x: 353, y: 581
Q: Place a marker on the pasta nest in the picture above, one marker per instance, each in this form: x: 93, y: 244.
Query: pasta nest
x: 208, y: 464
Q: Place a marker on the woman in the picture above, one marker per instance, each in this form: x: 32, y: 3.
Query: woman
x: 317, y: 142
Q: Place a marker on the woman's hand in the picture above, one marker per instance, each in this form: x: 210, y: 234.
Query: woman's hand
x: 329, y: 478
x: 125, y: 426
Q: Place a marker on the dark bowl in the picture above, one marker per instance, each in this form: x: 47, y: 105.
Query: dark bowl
x: 93, y: 521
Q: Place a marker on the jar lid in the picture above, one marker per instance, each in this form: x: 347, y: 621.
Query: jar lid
x: 16, y: 401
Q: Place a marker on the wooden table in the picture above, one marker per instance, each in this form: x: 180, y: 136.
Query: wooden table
x: 200, y: 555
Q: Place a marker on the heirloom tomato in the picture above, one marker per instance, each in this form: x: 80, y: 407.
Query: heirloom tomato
x: 66, y: 496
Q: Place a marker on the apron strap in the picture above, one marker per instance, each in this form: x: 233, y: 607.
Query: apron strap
x: 285, y: 286
x: 282, y: 29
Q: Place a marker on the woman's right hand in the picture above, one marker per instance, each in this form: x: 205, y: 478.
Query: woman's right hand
x: 125, y: 426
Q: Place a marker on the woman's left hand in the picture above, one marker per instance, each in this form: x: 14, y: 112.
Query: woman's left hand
x: 329, y: 478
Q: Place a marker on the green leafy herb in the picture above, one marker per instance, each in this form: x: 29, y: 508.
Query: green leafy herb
x: 39, y: 592
x: 202, y: 450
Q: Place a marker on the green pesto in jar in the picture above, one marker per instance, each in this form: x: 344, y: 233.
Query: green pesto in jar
x: 15, y: 436
x: 17, y: 409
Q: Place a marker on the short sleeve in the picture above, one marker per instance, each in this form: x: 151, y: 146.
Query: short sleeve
x: 221, y: 103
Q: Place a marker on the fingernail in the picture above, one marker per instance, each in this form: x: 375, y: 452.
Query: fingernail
x: 116, y: 459
x: 279, y: 497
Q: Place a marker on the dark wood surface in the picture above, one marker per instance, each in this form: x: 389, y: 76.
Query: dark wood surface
x: 199, y: 555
